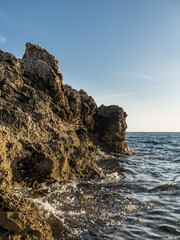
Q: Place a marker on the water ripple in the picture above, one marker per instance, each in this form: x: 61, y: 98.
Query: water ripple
x: 138, y: 197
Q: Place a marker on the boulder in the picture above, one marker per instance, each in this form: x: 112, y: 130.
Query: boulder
x: 111, y: 129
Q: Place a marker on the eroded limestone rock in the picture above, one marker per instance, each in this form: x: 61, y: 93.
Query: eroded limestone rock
x: 111, y: 128
x: 38, y: 112
x: 48, y: 132
x: 21, y: 219
x: 52, y: 130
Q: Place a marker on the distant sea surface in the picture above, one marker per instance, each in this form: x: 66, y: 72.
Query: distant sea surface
x: 138, y: 198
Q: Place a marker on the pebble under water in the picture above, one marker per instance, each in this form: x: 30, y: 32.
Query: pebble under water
x: 137, y: 198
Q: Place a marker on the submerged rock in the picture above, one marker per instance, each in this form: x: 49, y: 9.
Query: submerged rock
x: 48, y: 131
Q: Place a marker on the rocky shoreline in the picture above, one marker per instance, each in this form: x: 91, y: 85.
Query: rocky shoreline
x: 49, y: 132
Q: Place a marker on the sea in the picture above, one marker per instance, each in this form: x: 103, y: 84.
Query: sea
x: 136, y: 198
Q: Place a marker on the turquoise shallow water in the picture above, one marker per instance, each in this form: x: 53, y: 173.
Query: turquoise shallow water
x: 138, y: 198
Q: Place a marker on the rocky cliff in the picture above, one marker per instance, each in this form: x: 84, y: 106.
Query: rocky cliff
x: 48, y: 132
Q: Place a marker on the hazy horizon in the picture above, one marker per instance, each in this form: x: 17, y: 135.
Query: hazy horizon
x: 150, y: 132
x: 121, y: 52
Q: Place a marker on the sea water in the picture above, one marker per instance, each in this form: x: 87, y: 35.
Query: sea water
x: 137, y: 197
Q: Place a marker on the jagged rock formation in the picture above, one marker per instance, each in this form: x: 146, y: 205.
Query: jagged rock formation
x: 49, y: 131
x: 111, y: 128
x: 44, y: 124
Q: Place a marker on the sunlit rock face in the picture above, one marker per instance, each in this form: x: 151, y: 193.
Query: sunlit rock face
x: 48, y: 132
x: 21, y: 219
x: 45, y: 123
x: 51, y: 130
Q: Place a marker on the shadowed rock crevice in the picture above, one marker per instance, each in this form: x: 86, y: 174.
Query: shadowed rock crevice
x: 35, y: 167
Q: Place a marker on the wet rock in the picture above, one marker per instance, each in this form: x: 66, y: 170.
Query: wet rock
x: 21, y: 219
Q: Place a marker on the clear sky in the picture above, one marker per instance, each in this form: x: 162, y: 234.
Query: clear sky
x: 122, y: 52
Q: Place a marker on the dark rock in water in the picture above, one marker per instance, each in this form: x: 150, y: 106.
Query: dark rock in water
x: 165, y: 187
x: 50, y: 131
x: 111, y: 127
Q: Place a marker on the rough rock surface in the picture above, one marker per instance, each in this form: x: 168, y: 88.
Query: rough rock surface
x: 111, y: 128
x: 21, y: 219
x: 48, y: 132
x: 41, y: 122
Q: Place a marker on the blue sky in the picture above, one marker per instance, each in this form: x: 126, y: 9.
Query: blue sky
x: 122, y: 52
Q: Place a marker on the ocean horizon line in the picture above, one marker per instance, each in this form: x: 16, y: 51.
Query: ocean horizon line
x: 152, y: 131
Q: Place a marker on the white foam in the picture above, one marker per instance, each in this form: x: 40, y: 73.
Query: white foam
x: 103, y: 155
x: 48, y: 209
x: 73, y: 213
x: 130, y: 208
x: 113, y: 176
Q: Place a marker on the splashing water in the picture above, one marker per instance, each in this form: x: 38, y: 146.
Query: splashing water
x: 138, y: 197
